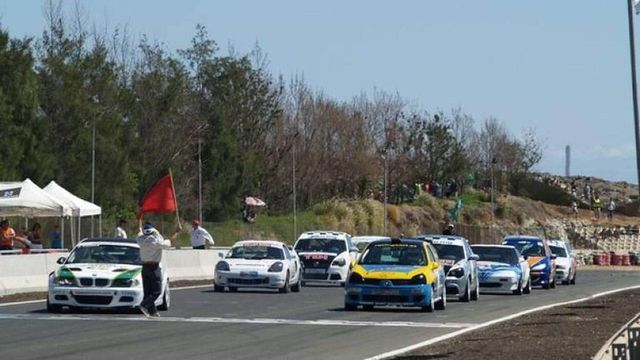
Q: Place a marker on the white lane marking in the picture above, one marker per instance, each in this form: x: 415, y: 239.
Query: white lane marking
x: 75, y: 317
x: 43, y: 300
x: 405, y: 350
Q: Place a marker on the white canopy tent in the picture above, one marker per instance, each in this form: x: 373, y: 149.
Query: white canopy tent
x: 80, y: 207
x: 26, y: 199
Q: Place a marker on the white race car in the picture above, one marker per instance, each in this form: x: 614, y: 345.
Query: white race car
x: 326, y: 256
x: 258, y: 264
x: 101, y: 273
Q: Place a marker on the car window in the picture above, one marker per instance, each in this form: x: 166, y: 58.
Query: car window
x: 558, y: 251
x: 394, y: 254
x: 449, y: 252
x: 321, y: 245
x: 256, y: 253
x: 497, y: 254
x: 287, y: 255
x: 105, y: 254
x: 432, y: 253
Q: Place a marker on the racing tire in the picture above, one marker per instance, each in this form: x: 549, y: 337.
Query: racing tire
x: 296, y: 287
x: 518, y: 291
x: 166, y: 300
x: 286, y: 288
x: 546, y: 286
x: 565, y: 282
x: 303, y: 283
x: 467, y: 293
x: 233, y: 289
x: 476, y: 293
x: 527, y: 289
x: 218, y: 288
x: 573, y: 279
x: 442, y: 303
x: 431, y: 306
x: 367, y: 307
x: 350, y: 307
x: 55, y: 309
x: 553, y: 284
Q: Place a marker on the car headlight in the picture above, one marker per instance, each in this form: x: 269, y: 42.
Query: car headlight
x: 457, y: 272
x: 339, y: 262
x: 419, y: 279
x: 276, y: 267
x: 561, y: 267
x: 355, y: 278
x: 539, y: 267
x: 125, y: 283
x: 222, y: 266
x: 64, y: 281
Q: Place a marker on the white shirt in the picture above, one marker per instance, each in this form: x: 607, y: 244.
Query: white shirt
x: 200, y: 236
x: 151, y: 246
x: 120, y: 233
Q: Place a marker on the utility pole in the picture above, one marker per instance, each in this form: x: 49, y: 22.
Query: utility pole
x: 384, y: 157
x: 93, y: 170
x: 634, y: 89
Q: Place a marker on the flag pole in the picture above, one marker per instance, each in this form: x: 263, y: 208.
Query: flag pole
x: 173, y: 188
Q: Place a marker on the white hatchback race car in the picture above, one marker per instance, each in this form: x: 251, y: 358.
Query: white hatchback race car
x: 101, y: 273
x: 258, y: 264
x: 326, y: 256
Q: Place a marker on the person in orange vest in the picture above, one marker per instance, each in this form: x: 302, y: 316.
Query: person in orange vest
x: 8, y: 236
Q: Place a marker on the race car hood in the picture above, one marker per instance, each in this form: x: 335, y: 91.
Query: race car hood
x: 242, y: 264
x: 388, y: 271
x: 563, y: 261
x: 533, y: 260
x: 492, y: 266
x: 105, y: 271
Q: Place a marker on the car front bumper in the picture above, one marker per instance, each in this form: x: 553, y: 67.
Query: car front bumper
x: 498, y: 284
x: 95, y: 297
x: 456, y: 286
x: 332, y: 275
x: 414, y: 295
x: 250, y: 279
x: 540, y: 277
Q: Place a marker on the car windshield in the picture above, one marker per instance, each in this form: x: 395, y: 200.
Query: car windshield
x: 528, y: 248
x: 558, y: 251
x: 394, y: 254
x: 449, y: 252
x: 325, y: 245
x: 496, y: 254
x: 105, y: 254
x: 256, y: 253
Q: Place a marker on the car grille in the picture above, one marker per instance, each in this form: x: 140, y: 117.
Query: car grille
x: 385, y: 298
x: 239, y: 281
x: 314, y: 276
x: 490, y: 284
x: 93, y: 300
x: 310, y: 263
x: 101, y: 282
x: 395, y: 282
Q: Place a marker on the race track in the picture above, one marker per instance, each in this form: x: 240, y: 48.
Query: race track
x: 262, y: 325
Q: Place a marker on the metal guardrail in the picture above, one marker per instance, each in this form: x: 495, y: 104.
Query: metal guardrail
x: 33, y: 251
x: 624, y: 345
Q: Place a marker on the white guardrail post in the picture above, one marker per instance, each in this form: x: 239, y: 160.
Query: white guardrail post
x: 624, y: 345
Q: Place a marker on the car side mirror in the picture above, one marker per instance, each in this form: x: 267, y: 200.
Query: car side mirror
x: 61, y: 260
x: 474, y: 257
x: 435, y: 265
x: 522, y: 259
x: 554, y: 256
x: 221, y: 255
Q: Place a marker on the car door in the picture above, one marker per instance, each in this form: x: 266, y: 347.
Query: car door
x: 440, y: 275
x: 473, y: 265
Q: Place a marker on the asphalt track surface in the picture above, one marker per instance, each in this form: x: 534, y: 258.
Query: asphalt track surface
x: 262, y: 325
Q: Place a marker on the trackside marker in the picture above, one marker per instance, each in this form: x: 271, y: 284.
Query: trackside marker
x: 405, y: 350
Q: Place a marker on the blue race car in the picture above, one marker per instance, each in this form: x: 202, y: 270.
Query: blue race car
x: 542, y: 261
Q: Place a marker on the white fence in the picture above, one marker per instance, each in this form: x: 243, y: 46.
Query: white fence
x: 29, y: 273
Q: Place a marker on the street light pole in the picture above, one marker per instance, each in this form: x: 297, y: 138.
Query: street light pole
x: 385, y: 194
x: 93, y: 170
x: 634, y: 89
x: 293, y: 177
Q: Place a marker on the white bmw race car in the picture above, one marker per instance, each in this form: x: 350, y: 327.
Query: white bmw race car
x: 101, y: 273
x: 258, y: 264
x: 326, y: 256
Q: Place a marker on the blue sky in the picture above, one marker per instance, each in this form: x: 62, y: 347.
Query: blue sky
x: 558, y: 67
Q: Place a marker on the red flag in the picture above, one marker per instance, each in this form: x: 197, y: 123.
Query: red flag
x: 161, y: 198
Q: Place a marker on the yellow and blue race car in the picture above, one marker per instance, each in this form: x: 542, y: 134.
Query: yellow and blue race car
x: 397, y: 272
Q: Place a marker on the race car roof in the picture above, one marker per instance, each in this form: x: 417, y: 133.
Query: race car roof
x: 324, y: 234
x: 111, y: 240
x: 522, y: 237
x: 398, y: 241
x: 259, y: 243
x: 368, y: 238
x: 443, y: 239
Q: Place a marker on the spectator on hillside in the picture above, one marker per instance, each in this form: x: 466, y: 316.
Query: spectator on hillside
x: 611, y: 207
x: 56, y: 238
x: 35, y: 236
x: 448, y: 230
x: 120, y: 232
x: 200, y: 237
x: 597, y: 206
x: 587, y: 194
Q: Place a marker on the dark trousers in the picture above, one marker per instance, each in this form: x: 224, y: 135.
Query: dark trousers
x: 152, y: 285
x: 201, y: 247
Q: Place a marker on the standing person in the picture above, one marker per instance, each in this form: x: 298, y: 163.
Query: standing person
x: 611, y: 207
x: 120, y: 232
x: 35, y: 236
x: 56, y: 237
x: 200, y: 237
x: 151, y: 244
x: 597, y: 206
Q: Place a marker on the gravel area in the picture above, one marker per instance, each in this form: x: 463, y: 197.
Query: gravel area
x: 575, y: 331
